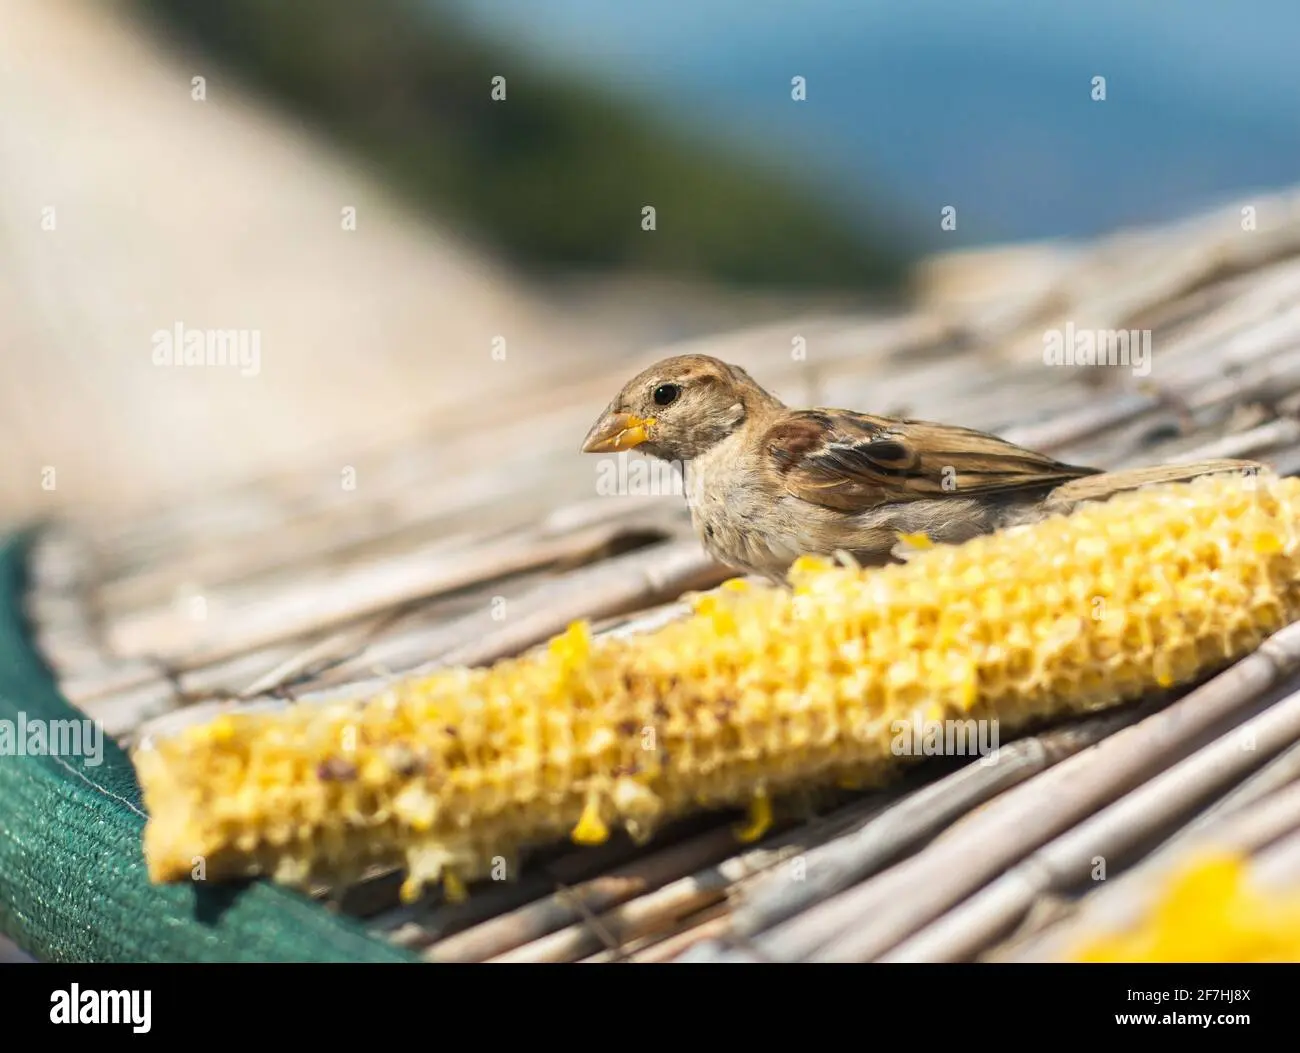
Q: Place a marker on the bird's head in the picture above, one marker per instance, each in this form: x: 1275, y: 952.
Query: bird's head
x: 677, y: 409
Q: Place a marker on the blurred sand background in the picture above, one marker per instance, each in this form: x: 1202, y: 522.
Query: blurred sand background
x: 170, y: 210
x: 224, y: 214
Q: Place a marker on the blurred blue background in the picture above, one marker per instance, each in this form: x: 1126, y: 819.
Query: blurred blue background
x: 982, y: 104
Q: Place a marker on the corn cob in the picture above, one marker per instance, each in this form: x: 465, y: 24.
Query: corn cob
x: 756, y: 693
x: 1208, y: 912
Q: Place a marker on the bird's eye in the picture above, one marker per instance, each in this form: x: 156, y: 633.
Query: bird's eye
x: 666, y: 394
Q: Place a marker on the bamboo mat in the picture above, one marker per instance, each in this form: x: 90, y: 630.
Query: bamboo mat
x: 491, y: 534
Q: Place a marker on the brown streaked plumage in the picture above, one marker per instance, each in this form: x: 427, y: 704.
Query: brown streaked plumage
x: 766, y: 484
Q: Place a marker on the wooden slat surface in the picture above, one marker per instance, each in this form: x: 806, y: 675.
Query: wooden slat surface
x: 291, y: 586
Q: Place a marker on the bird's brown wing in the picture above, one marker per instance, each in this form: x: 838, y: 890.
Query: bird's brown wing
x: 854, y: 462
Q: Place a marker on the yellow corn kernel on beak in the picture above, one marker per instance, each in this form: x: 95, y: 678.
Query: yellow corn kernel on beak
x: 916, y: 541
x: 760, y: 819
x: 617, y: 431
x: 759, y: 691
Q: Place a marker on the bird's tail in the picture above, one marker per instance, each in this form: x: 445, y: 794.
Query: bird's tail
x: 1100, y: 487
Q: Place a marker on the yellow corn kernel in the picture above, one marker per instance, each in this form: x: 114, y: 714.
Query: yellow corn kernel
x: 759, y: 689
x: 760, y: 818
x: 453, y: 888
x: 410, y: 890
x: 1208, y: 912
x: 222, y: 729
x: 591, y: 828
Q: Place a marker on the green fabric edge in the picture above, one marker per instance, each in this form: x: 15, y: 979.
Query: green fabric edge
x: 73, y: 884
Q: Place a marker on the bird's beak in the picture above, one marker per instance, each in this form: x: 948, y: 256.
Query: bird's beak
x: 617, y: 431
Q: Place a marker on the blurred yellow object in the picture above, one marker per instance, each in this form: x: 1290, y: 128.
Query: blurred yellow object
x: 1209, y: 912
x: 759, y: 692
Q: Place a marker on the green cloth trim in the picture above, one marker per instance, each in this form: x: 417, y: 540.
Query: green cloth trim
x: 73, y: 885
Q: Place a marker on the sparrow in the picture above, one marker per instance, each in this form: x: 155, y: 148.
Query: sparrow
x: 766, y: 484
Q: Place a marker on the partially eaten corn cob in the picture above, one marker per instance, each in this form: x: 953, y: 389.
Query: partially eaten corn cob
x: 758, y: 692
x: 1208, y: 912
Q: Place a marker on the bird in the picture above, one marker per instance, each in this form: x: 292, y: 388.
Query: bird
x: 766, y: 484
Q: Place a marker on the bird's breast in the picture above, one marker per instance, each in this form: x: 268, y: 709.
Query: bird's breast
x: 736, y: 522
